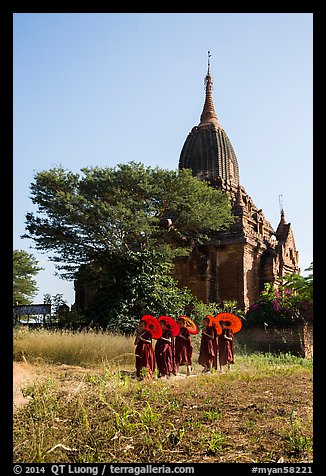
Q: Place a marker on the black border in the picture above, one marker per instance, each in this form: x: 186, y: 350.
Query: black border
x: 8, y: 9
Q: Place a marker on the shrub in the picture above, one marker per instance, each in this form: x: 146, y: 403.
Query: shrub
x: 284, y: 303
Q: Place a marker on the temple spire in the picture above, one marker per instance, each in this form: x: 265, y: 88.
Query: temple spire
x: 208, y: 115
x: 280, y: 201
x: 282, y: 226
x: 282, y: 217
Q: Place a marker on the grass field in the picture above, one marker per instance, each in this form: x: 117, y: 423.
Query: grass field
x: 84, y: 404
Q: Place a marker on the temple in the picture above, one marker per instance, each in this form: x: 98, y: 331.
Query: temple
x: 239, y: 261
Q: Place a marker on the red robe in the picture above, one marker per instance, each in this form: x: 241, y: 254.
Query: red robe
x: 145, y: 354
x: 183, y: 348
x: 226, y: 347
x: 174, y: 365
x: 215, y: 345
x: 207, y: 348
x: 163, y: 354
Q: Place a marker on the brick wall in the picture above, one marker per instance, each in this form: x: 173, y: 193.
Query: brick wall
x: 230, y: 285
x: 308, y: 341
x: 297, y: 340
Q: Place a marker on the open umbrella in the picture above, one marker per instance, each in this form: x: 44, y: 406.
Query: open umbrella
x: 216, y: 323
x: 171, y: 324
x: 190, y: 325
x: 232, y: 321
x: 153, y: 326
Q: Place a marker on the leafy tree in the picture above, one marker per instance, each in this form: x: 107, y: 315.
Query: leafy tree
x: 126, y: 225
x: 301, y: 286
x: 57, y: 302
x: 81, y: 218
x: 135, y: 284
x: 25, y: 267
x: 47, y: 298
x: 287, y: 302
x: 200, y: 310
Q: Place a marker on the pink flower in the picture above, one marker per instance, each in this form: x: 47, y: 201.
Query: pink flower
x: 276, y: 306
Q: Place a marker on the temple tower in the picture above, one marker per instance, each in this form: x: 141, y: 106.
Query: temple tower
x: 237, y: 263
x: 208, y: 151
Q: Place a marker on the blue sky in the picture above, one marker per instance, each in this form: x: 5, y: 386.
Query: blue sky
x: 98, y: 89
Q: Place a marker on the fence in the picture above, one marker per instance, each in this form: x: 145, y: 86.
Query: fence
x: 297, y: 340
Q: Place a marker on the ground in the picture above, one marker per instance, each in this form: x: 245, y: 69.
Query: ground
x: 24, y: 374
x: 256, y: 413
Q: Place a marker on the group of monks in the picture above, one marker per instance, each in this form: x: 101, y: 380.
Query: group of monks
x: 171, y: 352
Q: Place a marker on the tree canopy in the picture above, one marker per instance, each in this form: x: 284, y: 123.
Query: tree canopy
x: 133, y: 284
x: 25, y: 267
x: 83, y: 216
x: 119, y: 229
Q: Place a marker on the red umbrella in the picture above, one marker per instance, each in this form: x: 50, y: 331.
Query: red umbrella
x: 214, y: 322
x: 171, y: 324
x: 232, y: 321
x: 190, y: 325
x: 153, y: 326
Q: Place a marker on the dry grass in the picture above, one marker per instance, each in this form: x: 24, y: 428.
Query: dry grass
x: 102, y: 416
x: 89, y: 348
x: 259, y: 412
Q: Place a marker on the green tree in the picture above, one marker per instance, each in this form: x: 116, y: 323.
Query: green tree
x: 126, y: 224
x: 56, y: 301
x: 59, y: 309
x: 83, y: 217
x: 25, y: 267
x: 135, y: 284
x: 200, y: 310
x: 301, y: 286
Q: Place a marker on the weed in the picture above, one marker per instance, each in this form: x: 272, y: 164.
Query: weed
x: 296, y: 441
x: 175, y: 436
x: 84, y: 419
x: 127, y: 421
x: 212, y: 414
x: 214, y: 443
x: 149, y: 417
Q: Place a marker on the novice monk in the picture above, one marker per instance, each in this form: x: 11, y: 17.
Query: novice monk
x: 163, y: 352
x: 225, y: 347
x: 207, y: 349
x: 215, y: 345
x: 183, y: 347
x: 144, y: 351
x: 174, y: 365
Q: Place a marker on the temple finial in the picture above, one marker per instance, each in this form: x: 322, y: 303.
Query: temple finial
x: 208, y: 115
x: 280, y: 201
x: 208, y: 61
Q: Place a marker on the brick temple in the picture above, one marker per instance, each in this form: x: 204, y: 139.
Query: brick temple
x: 237, y: 264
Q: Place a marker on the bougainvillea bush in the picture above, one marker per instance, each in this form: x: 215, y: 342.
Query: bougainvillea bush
x: 287, y: 301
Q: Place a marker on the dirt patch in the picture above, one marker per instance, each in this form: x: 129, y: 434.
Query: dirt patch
x: 23, y: 375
